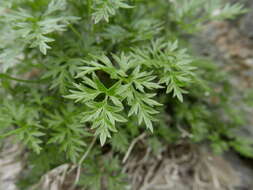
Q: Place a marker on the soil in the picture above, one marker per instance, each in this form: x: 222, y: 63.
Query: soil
x: 191, y: 167
x: 231, y: 45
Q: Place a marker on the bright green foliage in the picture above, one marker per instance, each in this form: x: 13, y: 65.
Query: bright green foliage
x: 243, y: 146
x: 62, y: 71
x: 173, y: 65
x: 161, y: 60
x: 228, y: 11
x: 129, y: 83
x: 67, y: 131
x: 34, y: 29
x: 26, y: 118
x: 189, y: 13
x: 74, y: 70
x: 104, y: 9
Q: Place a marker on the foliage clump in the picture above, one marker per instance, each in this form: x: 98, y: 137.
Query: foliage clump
x: 73, y: 70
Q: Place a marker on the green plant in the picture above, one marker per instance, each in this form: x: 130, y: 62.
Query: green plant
x: 72, y: 70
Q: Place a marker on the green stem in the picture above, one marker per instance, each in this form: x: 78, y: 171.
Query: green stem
x: 89, y: 7
x: 75, y: 31
x: 5, y: 76
x: 15, y: 131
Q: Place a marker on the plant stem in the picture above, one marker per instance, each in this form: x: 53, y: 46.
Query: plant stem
x: 88, y: 150
x: 75, y: 31
x: 5, y: 76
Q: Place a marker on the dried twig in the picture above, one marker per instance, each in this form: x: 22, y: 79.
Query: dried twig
x: 88, y: 150
x: 132, y: 146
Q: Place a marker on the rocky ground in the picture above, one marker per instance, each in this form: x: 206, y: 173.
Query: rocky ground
x: 231, y: 45
x: 188, y: 167
x: 11, y: 164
